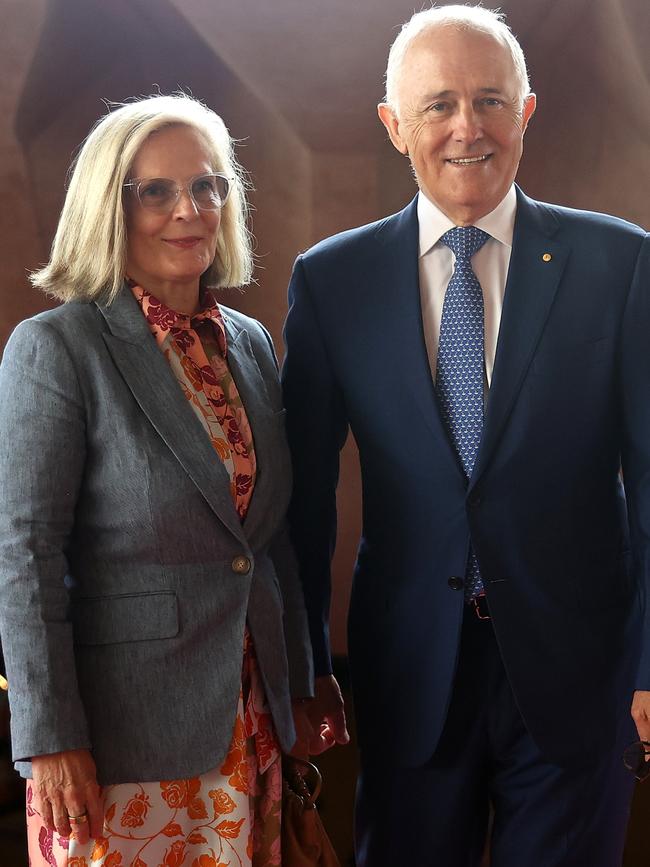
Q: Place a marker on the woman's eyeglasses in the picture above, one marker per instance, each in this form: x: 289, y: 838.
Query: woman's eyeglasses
x: 160, y: 195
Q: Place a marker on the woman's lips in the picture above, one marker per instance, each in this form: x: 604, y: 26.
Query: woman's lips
x: 183, y: 243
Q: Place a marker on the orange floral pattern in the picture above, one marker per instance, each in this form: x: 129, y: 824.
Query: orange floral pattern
x: 136, y: 811
x: 226, y: 817
x: 229, y: 816
x: 196, y: 349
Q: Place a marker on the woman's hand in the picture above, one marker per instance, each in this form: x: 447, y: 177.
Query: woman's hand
x: 65, y: 785
x: 326, y: 713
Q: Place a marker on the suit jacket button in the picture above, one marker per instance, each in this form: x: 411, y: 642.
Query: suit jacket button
x: 455, y: 582
x: 241, y: 565
x: 474, y: 499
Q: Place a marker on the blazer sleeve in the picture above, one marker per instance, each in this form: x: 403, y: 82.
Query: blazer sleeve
x: 316, y: 428
x: 295, y: 628
x: 42, y: 454
x: 635, y: 388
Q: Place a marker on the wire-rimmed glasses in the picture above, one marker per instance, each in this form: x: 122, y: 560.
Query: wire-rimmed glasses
x: 209, y: 192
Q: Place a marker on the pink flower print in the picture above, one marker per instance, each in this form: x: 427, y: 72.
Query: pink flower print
x: 233, y: 433
x: 30, y: 795
x: 45, y: 838
x: 183, y: 338
x: 158, y: 314
x: 209, y: 375
x: 243, y: 483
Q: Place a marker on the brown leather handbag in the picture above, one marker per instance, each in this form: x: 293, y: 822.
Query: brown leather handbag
x: 304, y: 839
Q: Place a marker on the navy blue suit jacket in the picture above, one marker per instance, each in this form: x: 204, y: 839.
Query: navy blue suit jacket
x: 564, y: 555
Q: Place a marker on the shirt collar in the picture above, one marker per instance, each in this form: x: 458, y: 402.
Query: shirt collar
x: 433, y: 224
x: 162, y: 320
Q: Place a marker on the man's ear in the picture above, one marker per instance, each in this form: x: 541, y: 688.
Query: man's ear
x: 530, y: 104
x: 390, y: 120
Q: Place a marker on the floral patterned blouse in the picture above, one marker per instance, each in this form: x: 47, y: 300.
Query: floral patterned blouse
x: 229, y: 816
x: 196, y: 350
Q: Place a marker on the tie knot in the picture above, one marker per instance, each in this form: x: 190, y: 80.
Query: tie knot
x: 464, y: 241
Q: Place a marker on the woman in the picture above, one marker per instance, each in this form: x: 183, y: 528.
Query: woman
x: 151, y: 619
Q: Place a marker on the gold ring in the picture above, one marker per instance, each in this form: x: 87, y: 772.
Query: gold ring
x: 78, y: 820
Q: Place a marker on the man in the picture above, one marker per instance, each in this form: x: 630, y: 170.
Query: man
x: 490, y: 355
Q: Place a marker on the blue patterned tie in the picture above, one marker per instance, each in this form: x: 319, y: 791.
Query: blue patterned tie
x: 459, y: 373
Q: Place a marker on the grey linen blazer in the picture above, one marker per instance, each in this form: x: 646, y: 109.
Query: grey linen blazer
x: 122, y: 595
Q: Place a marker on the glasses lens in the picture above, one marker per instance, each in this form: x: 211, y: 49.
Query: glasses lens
x: 223, y: 187
x: 157, y: 194
x: 210, y: 191
x: 636, y: 758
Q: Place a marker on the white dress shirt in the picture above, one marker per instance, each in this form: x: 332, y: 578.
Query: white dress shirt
x: 490, y: 264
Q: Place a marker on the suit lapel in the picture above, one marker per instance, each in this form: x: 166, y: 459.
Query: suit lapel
x: 398, y: 274
x: 252, y: 390
x: 536, y: 266
x: 153, y: 385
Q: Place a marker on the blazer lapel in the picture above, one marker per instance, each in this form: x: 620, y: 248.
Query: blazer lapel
x: 536, y: 266
x: 398, y: 274
x: 153, y: 385
x: 252, y: 390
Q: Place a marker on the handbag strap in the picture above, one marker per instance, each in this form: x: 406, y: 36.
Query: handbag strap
x: 305, y: 777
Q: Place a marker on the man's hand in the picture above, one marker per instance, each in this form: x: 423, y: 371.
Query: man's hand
x: 65, y: 784
x: 641, y: 713
x: 326, y: 714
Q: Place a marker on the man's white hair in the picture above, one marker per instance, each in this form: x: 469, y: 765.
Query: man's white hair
x: 472, y: 18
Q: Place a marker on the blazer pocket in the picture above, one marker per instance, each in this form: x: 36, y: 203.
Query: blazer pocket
x: 125, y: 617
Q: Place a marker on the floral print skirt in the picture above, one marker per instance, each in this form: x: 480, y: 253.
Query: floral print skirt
x: 227, y: 817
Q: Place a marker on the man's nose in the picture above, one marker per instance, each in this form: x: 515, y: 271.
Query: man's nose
x: 467, y: 126
x: 185, y: 207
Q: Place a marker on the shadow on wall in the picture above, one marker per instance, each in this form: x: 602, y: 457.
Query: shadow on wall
x: 90, y: 52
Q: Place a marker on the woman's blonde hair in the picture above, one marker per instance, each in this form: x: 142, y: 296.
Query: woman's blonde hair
x: 88, y: 258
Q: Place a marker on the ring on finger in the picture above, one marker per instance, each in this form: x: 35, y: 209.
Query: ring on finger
x: 78, y: 820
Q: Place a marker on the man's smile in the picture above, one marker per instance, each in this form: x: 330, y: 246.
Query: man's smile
x: 468, y: 161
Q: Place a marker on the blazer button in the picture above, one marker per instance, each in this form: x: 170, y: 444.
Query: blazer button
x: 241, y: 565
x: 455, y: 582
x: 474, y: 500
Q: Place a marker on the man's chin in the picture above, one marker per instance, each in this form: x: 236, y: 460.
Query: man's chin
x: 464, y: 208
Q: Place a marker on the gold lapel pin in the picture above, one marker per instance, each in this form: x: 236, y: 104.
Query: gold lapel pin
x: 546, y: 257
